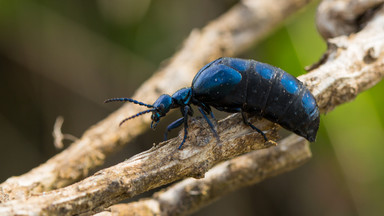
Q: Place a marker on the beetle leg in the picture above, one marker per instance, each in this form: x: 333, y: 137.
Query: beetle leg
x: 186, y: 111
x: 210, y: 124
x: 172, y: 126
x: 211, y: 113
x: 253, y: 126
x: 207, y: 109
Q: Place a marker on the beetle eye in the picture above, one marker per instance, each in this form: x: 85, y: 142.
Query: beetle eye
x: 161, y: 108
x: 155, y: 117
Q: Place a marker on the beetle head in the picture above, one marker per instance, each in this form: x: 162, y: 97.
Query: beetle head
x: 161, y: 107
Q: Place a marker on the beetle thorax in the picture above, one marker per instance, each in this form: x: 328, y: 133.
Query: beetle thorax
x: 182, y: 97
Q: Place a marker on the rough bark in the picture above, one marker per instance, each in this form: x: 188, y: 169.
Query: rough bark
x: 191, y: 194
x: 351, y: 65
x: 158, y: 166
x: 343, y: 17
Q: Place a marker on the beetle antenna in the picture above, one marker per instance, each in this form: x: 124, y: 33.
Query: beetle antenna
x: 136, y: 115
x: 129, y: 100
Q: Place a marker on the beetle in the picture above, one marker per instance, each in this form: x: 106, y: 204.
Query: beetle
x: 240, y: 85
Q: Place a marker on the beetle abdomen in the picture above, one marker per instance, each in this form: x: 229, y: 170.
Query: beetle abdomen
x: 278, y: 96
x: 263, y: 90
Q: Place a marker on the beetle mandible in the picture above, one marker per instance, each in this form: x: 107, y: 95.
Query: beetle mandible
x: 240, y: 85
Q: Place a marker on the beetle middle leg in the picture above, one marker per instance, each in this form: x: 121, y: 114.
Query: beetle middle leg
x: 207, y: 109
x: 210, y: 124
x: 245, y: 120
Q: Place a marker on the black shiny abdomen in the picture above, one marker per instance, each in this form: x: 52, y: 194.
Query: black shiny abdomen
x: 263, y: 90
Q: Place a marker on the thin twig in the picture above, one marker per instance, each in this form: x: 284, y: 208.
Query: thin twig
x: 58, y: 136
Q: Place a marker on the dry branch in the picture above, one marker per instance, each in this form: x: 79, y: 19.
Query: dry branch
x: 158, y: 166
x: 343, y: 17
x: 191, y: 194
x: 352, y: 64
x: 244, y: 24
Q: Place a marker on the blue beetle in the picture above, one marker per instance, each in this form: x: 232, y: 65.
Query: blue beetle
x: 239, y: 85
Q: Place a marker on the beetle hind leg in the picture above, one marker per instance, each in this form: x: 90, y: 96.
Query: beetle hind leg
x: 245, y: 120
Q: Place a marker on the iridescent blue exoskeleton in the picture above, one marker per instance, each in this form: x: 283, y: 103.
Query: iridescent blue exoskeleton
x: 239, y: 85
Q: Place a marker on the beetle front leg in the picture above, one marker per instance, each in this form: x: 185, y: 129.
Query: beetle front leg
x: 187, y: 110
x: 172, y: 126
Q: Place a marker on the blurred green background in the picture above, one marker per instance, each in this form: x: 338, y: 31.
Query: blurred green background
x: 65, y: 57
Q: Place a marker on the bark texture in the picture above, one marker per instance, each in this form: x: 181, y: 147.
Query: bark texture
x: 192, y: 194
